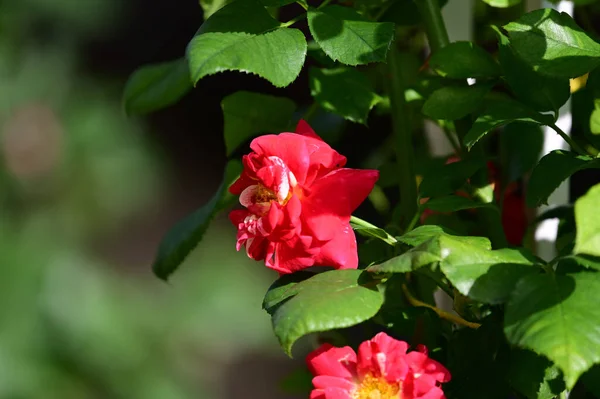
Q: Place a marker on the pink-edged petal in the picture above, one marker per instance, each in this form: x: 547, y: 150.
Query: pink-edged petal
x: 304, y: 129
x: 302, y: 155
x: 330, y: 393
x: 340, y: 192
x: 332, y: 361
x: 421, y: 364
x: 383, y: 355
x: 340, y: 252
x: 326, y: 381
x: 425, y: 387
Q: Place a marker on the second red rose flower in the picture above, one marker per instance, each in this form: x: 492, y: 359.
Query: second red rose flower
x: 298, y: 200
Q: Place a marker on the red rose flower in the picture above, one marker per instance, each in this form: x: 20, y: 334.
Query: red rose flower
x: 298, y: 200
x: 383, y: 369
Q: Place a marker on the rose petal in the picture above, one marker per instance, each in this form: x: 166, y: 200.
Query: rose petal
x: 331, y: 361
x: 325, y: 381
x: 420, y: 363
x: 383, y: 355
x: 340, y: 192
x: 340, y: 251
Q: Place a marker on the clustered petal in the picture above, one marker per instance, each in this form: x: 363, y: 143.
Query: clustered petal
x: 383, y: 369
x: 298, y: 199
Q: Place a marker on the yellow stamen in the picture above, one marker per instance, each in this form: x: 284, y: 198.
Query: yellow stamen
x: 377, y: 388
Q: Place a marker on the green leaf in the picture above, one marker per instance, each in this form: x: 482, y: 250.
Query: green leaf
x: 462, y: 60
x: 327, y: 301
x: 551, y: 171
x: 343, y: 91
x: 247, y: 114
x: 484, y: 275
x: 247, y: 16
x: 366, y: 229
x: 243, y: 37
x: 276, y: 3
x: 156, y: 86
x: 553, y: 44
x: 455, y: 102
x: 211, y: 53
x: 187, y: 233
x: 282, y: 289
x: 423, y: 233
x: 542, y: 93
x: 499, y: 112
x: 347, y: 37
x: 212, y: 6
x: 430, y: 252
x: 502, y: 3
x: 595, y: 121
x: 557, y: 316
x: 521, y: 144
x: 448, y: 178
x: 534, y: 376
x: 453, y: 203
x: 587, y: 219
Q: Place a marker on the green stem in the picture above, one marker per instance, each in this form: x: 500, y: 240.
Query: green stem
x: 311, y: 111
x: 437, y: 35
x: 303, y: 4
x: 323, y: 4
x: 292, y: 21
x: 569, y: 140
x: 431, y: 14
x: 403, y: 140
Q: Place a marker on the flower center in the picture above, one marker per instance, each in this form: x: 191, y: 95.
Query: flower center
x: 263, y: 194
x: 377, y: 388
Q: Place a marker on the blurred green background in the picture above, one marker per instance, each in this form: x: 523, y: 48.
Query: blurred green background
x: 85, y: 196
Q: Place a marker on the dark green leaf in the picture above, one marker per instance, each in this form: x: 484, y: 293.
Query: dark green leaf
x: 462, y: 60
x: 156, y: 86
x: 587, y: 219
x: 534, y: 376
x: 542, y: 93
x: 343, y: 91
x: 579, y: 262
x: 557, y: 316
x: 499, y: 112
x: 187, y: 233
x: 453, y: 203
x: 521, y: 145
x: 347, y: 37
x: 448, y: 178
x: 478, y: 362
x: 551, y: 171
x: 247, y: 16
x: 247, y: 114
x: 455, y: 102
x: 276, y: 3
x: 212, y: 6
x: 282, y: 289
x: 326, y: 301
x: 553, y: 44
